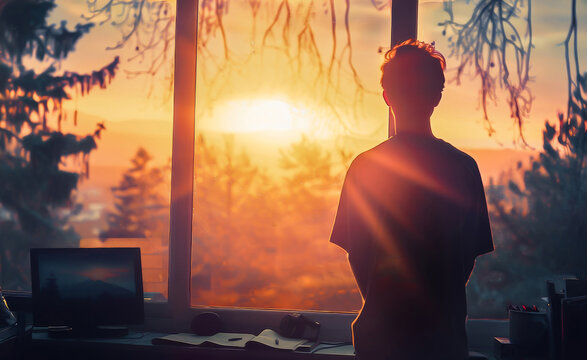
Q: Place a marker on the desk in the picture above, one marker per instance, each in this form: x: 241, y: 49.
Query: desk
x: 137, y: 345
x: 8, y: 342
x: 13, y: 340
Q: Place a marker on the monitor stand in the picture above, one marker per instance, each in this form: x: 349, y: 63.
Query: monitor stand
x: 64, y: 332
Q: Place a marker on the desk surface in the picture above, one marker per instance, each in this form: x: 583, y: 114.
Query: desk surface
x: 140, y: 342
x: 10, y: 344
x: 7, y: 333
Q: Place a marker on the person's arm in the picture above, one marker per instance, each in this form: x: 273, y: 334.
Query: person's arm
x: 342, y: 227
x: 349, y: 232
x: 361, y: 267
x: 480, y: 237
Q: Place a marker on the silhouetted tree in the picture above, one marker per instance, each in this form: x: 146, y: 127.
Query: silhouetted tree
x: 555, y: 186
x: 34, y: 188
x: 309, y: 178
x: 311, y: 182
x: 140, y: 207
x: 232, y: 224
x: 253, y: 231
x: 539, y: 216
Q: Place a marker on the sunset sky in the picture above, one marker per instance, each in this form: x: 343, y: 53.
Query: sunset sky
x: 458, y: 118
x: 268, y: 98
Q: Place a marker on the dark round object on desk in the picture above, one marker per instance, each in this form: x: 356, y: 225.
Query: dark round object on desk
x: 206, y: 324
x: 299, y: 327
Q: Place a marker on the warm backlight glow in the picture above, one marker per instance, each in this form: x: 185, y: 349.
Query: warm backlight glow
x: 102, y: 273
x: 261, y: 115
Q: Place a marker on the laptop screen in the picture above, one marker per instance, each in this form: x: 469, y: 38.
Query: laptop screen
x: 87, y: 287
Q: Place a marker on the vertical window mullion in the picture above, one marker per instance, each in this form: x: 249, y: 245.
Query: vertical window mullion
x: 404, y: 20
x: 182, y: 169
x: 404, y: 25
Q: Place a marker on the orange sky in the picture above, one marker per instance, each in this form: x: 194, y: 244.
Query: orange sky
x: 253, y: 92
x: 457, y: 119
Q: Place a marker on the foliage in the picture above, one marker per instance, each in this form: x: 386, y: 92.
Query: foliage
x: 35, y: 189
x: 253, y: 231
x: 140, y: 208
x: 496, y: 42
x: 538, y: 218
x: 231, y: 219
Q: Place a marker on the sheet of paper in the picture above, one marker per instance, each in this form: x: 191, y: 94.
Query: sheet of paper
x: 222, y: 339
x: 270, y: 338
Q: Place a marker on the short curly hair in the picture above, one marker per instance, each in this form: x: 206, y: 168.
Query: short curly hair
x: 413, y: 68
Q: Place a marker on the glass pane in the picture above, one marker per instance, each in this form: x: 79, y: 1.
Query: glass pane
x: 531, y: 242
x: 284, y: 101
x: 112, y: 92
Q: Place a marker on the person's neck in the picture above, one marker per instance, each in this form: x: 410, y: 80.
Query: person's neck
x: 413, y: 125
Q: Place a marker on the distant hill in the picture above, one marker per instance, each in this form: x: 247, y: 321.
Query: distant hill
x: 492, y: 162
x: 121, y: 140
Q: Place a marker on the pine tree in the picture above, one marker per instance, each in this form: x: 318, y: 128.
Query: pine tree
x: 538, y: 218
x: 140, y: 208
x: 34, y: 188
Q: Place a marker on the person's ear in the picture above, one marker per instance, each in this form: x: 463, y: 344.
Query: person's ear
x: 437, y: 100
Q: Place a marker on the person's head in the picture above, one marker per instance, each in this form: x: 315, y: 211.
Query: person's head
x: 413, y: 77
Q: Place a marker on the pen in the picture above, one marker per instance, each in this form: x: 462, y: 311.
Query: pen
x: 235, y: 339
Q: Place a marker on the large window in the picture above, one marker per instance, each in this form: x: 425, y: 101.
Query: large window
x: 285, y: 93
x: 284, y: 100
x: 270, y: 127
x: 117, y: 86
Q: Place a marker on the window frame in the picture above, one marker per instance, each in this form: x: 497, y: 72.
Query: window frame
x: 335, y: 325
x: 176, y: 314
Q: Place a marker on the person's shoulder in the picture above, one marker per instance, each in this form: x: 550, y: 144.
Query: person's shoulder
x: 371, y: 158
x: 381, y: 149
x: 459, y: 155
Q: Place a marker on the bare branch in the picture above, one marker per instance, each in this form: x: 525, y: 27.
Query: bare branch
x: 490, y: 43
x: 147, y: 26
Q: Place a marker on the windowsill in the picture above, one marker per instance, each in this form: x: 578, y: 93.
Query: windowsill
x: 139, y: 345
x: 334, y: 326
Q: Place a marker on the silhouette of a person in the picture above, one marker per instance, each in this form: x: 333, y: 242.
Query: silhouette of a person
x: 412, y: 217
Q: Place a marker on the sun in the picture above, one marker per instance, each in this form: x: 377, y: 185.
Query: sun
x: 260, y: 115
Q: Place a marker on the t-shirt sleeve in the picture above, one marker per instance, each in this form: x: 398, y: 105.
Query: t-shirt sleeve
x: 349, y: 230
x: 341, y: 230
x: 480, y: 238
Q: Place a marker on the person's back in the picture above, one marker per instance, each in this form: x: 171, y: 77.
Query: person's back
x: 412, y: 217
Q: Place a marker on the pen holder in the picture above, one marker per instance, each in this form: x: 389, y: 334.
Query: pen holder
x: 528, y: 329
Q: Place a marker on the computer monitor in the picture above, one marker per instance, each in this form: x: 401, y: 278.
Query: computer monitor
x: 86, y: 289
